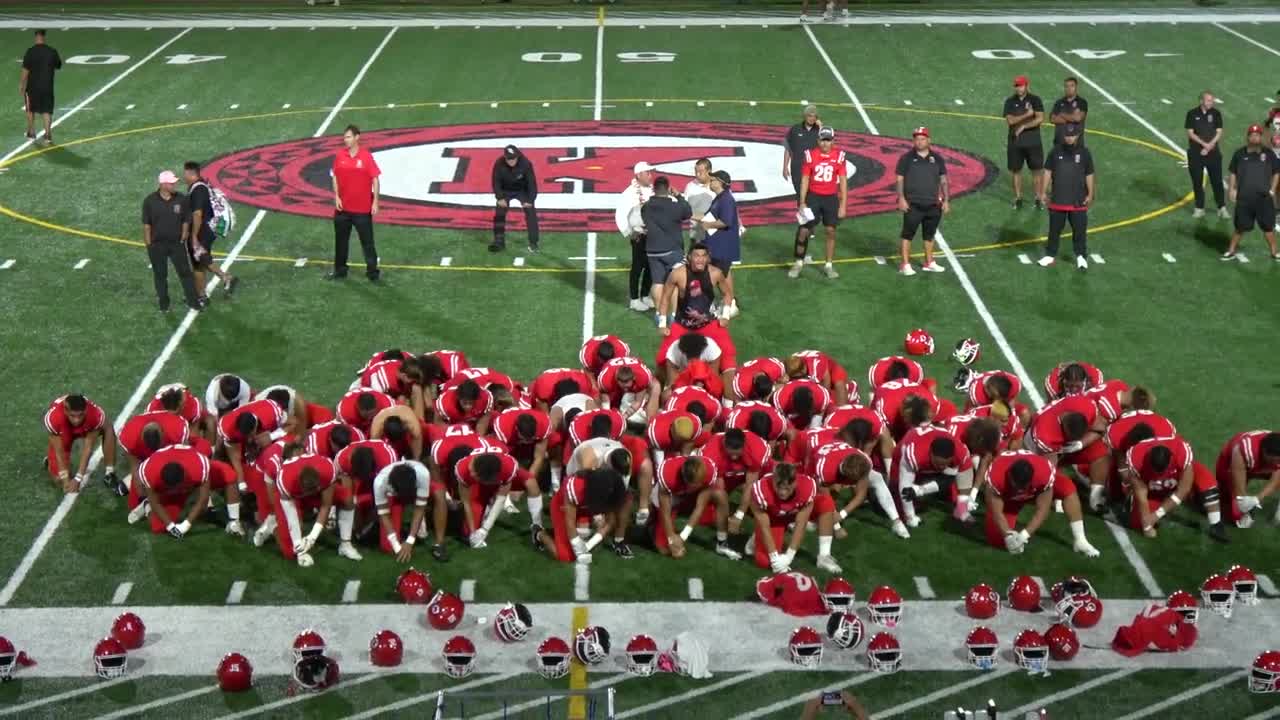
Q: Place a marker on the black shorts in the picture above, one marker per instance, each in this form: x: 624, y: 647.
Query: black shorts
x: 200, y: 249
x: 39, y: 101
x: 1259, y: 211
x: 725, y: 266
x: 826, y: 209
x: 1032, y: 156
x: 925, y: 217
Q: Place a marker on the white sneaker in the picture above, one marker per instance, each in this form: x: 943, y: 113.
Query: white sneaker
x: 1097, y: 497
x: 900, y: 529
x: 804, y: 18
x: 731, y: 311
x: 830, y: 272
x: 1224, y: 213
x: 750, y: 547
x: 305, y: 560
x: 1247, y: 503
x: 1081, y: 263
x: 829, y: 564
x: 1084, y: 548
x: 422, y: 531
x: 1197, y: 213
x: 1245, y: 522
x: 796, y: 267
x: 844, y: 13
x: 648, y: 302
x: 723, y: 550
x: 933, y: 267
x: 912, y: 521
x: 638, y: 305
x: 906, y: 270
x: 139, y: 511
x: 348, y: 551
x: 642, y: 518
x: 1046, y: 261
x: 263, y: 533
x: 509, y: 506
x: 235, y: 529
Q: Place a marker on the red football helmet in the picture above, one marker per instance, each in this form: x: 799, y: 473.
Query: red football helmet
x: 386, y: 649
x: 459, y: 655
x: 1245, y: 584
x: 967, y: 351
x: 642, y: 655
x: 414, y: 586
x: 981, y: 644
x: 129, y: 630
x: 1185, y: 603
x: 445, y: 610
x: 1031, y: 651
x: 884, y: 653
x: 838, y: 594
x: 1024, y: 594
x: 315, y: 673
x: 885, y: 606
x: 1218, y: 594
x: 805, y: 647
x: 1076, y: 602
x: 982, y: 602
x: 307, y: 644
x: 8, y: 658
x: 1265, y: 674
x: 110, y: 658
x: 553, y: 658
x: 918, y: 342
x: 845, y: 629
x: 1063, y: 642
x: 512, y: 622
x: 235, y: 674
x: 591, y: 645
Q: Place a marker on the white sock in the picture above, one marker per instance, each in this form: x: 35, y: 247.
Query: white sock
x: 618, y: 540
x: 838, y: 526
x: 535, y: 508
x: 824, y: 545
x: 927, y: 488
x: 884, y: 497
x: 1215, y: 516
x: 1077, y: 531
x: 722, y: 536
x: 556, y: 469
x: 346, y: 518
x: 233, y: 511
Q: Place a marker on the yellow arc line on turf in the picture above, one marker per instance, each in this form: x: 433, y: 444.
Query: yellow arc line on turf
x: 578, y: 671
x: 9, y: 212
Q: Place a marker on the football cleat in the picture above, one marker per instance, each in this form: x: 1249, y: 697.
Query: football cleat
x: 1024, y: 594
x: 1031, y: 651
x: 512, y: 622
x: 386, y: 649
x: 805, y: 647
x: 1062, y: 641
x: 553, y: 658
x: 129, y: 630
x: 459, y: 655
x: 234, y: 673
x: 963, y: 379
x: 1076, y: 602
x: 982, y: 602
x: 884, y: 653
x: 591, y: 645
x: 1185, y: 603
x: 315, y: 673
x: 981, y: 645
x: 1218, y: 594
x: 918, y: 342
x: 306, y: 644
x: 845, y: 629
x: 967, y: 351
x: 445, y: 610
x: 1264, y: 676
x: 885, y: 606
x: 1245, y: 584
x: 414, y: 586
x: 110, y: 658
x: 838, y: 594
x: 642, y: 655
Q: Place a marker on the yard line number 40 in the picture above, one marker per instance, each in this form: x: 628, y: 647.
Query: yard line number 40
x: 1082, y: 53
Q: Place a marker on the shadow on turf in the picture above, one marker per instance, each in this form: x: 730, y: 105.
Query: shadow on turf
x: 66, y: 158
x: 1215, y: 240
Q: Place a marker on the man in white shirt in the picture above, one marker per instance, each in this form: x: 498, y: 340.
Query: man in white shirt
x: 698, y: 194
x: 627, y: 217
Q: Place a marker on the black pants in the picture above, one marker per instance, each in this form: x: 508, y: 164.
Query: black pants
x: 1058, y: 219
x: 1196, y: 165
x: 500, y: 219
x: 640, y: 279
x: 363, y: 223
x: 163, y: 252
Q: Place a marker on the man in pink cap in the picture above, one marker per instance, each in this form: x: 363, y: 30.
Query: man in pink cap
x: 166, y: 228
x: 1024, y: 113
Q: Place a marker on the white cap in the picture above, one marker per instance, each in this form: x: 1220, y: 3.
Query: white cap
x: 642, y: 166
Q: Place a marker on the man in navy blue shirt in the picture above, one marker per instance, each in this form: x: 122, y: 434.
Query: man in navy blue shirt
x: 724, y: 236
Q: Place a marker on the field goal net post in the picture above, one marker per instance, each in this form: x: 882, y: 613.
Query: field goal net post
x: 597, y: 704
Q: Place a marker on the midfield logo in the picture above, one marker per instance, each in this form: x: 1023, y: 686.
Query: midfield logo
x: 440, y: 176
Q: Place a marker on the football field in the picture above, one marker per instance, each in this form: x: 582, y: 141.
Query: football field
x: 261, y: 98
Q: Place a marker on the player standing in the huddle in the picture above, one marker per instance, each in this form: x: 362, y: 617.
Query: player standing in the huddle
x: 1024, y: 112
x: 923, y: 198
x: 1254, y: 171
x: 824, y: 191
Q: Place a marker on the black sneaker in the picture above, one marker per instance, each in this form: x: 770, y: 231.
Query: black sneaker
x: 535, y: 537
x: 1218, y: 531
x: 1039, y: 205
x: 439, y: 552
x: 1017, y: 204
x: 197, y: 306
x: 336, y: 275
x: 376, y: 279
x: 31, y: 136
x: 164, y: 307
x: 497, y: 246
x: 203, y: 301
x: 622, y: 550
x: 909, y: 494
x: 534, y: 248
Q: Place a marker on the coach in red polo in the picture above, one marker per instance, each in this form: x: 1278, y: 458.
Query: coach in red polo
x: 355, y: 202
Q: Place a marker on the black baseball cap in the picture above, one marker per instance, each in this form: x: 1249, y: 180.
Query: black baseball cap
x: 510, y: 152
x: 723, y: 177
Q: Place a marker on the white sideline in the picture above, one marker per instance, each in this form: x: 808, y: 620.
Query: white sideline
x: 1247, y: 39
x: 343, y: 685
x: 1070, y: 692
x: 696, y: 692
x: 1169, y: 702
x: 771, y: 708
x: 85, y: 690
x: 419, y: 699
x: 1266, y: 714
x: 64, y: 507
x: 942, y: 693
x: 139, y: 709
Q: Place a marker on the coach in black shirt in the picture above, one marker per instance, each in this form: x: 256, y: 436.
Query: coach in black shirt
x: 1070, y: 108
x: 1254, y: 177
x: 1069, y: 181
x: 923, y: 197
x: 38, y: 66
x: 800, y: 137
x: 1024, y: 113
x: 513, y: 179
x: 166, y: 228
x: 664, y: 215
x: 1204, y: 130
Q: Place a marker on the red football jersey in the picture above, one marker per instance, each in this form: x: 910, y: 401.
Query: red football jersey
x: 588, y: 354
x: 824, y: 463
x: 659, y: 432
x: 783, y: 401
x: 173, y: 430
x: 317, y: 440
x: 912, y: 454
x: 288, y: 482
x: 1051, y: 380
x: 1045, y: 433
x: 449, y: 407
x: 56, y: 422
x: 1041, y: 479
x: 1250, y: 446
x: 793, y: 593
x: 269, y: 460
x: 270, y: 418
x: 878, y: 374
x: 806, y: 442
x: 842, y: 415
x: 507, y: 473
x: 766, y: 497
x: 978, y: 394
x: 484, y: 377
x: 195, y: 467
x: 375, y: 359
x: 348, y: 413
x: 890, y: 396
x: 608, y: 378
x: 580, y: 428
x: 825, y: 170
x: 453, y: 362
x: 740, y: 417
x: 504, y: 427
x: 575, y: 492
x: 1159, y: 484
x: 192, y: 409
x: 770, y: 367
x: 1123, y: 425
x: 669, y: 477
x: 455, y: 436
x: 383, y: 455
x: 682, y: 398
x: 958, y: 425
x: 543, y: 387
x: 1107, y: 397
x: 821, y: 367
x: 754, y: 458
x: 385, y: 377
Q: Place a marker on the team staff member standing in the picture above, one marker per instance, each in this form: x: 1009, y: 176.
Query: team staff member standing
x: 923, y: 197
x: 1204, y: 130
x: 1024, y: 113
x: 801, y: 138
x: 355, y: 202
x: 1254, y: 174
x: 824, y: 190
x: 724, y: 233
x: 1070, y: 108
x: 36, y: 85
x: 202, y: 235
x: 513, y: 179
x: 664, y: 217
x: 1069, y: 177
x: 166, y: 227
x: 637, y: 193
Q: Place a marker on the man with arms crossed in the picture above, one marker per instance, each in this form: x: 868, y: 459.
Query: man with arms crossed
x: 1024, y: 112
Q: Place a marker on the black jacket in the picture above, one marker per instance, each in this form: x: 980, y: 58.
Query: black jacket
x: 664, y: 217
x: 518, y: 180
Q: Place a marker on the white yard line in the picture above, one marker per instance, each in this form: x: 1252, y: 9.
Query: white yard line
x: 581, y: 582
x: 696, y: 589
x: 923, y: 588
x: 512, y: 710
x: 1247, y: 39
x: 236, y: 593
x: 1070, y: 692
x: 419, y: 699
x: 284, y: 702
x: 122, y: 593
x: 599, y: 101
x: 853, y: 97
x: 351, y: 591
x: 940, y: 694
x: 139, y: 709
x: 97, y: 686
x: 589, y: 282
x: 1266, y: 714
x: 68, y: 501
x: 467, y: 590
x: 696, y: 692
x: 110, y: 84
x: 1182, y: 697
x: 804, y: 697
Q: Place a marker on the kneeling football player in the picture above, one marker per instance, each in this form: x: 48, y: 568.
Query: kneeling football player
x: 484, y: 478
x: 167, y: 478
x: 787, y: 496
x: 1018, y: 477
x: 596, y: 494
x: 1161, y: 473
x: 690, y: 486
x: 396, y: 486
x: 310, y: 482
x: 838, y: 465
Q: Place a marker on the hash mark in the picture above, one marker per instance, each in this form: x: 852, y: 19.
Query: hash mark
x: 286, y: 106
x: 923, y: 588
x: 1266, y: 586
x: 446, y: 261
x: 1242, y: 258
x: 7, y: 264
x: 236, y: 593
x: 518, y: 262
x: 1024, y: 258
x: 235, y: 106
x: 1169, y: 258
x: 351, y: 592
x: 130, y: 106
x: 906, y: 102
x: 122, y: 593
x: 183, y: 106
x: 880, y: 260
x: 80, y: 265
x: 467, y: 590
x: 696, y: 591
x: 1097, y: 258
x: 300, y: 262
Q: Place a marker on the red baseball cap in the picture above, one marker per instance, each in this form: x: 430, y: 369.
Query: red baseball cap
x: 1021, y: 80
x: 1254, y: 129
x: 922, y: 130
